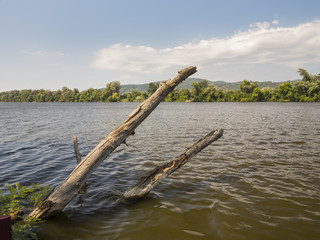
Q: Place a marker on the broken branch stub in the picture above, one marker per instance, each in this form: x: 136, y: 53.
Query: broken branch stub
x: 152, y: 178
x: 78, y: 157
x: 63, y: 194
x: 76, y: 149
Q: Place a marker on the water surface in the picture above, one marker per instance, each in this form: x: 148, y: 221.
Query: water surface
x: 261, y: 180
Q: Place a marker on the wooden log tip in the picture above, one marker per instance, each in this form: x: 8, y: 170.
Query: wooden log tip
x: 193, y: 69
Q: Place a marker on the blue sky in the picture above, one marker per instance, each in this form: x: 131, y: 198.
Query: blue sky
x: 83, y: 44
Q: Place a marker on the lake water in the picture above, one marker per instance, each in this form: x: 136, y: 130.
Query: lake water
x: 261, y: 180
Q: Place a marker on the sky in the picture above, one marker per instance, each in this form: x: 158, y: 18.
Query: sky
x: 87, y: 44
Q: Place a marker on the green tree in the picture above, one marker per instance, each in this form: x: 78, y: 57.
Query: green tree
x: 257, y: 95
x: 134, y: 96
x: 220, y: 95
x: 197, y: 92
x: 4, y: 97
x: 309, y: 86
x: 306, y: 77
x: 40, y: 96
x: 152, y: 88
x: 231, y: 95
x: 26, y: 95
x: 14, y: 96
x: 56, y: 95
x: 286, y: 91
x: 268, y: 94
x: 110, y: 89
x: 209, y: 93
x: 247, y: 86
x: 184, y: 95
x: 88, y: 95
x: 173, y: 96
x: 66, y: 95
x: 114, y: 98
x: 48, y: 96
x: 76, y: 94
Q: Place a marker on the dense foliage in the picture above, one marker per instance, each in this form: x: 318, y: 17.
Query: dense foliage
x: 306, y: 90
x: 16, y: 201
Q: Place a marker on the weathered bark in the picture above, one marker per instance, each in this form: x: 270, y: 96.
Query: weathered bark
x: 62, y: 195
x: 152, y: 178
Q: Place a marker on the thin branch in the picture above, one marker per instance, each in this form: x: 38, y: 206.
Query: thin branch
x: 76, y: 149
x: 83, y: 188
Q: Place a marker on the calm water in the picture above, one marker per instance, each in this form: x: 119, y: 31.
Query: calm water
x: 261, y: 180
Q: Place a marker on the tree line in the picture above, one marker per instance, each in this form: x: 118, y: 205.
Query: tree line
x: 305, y: 90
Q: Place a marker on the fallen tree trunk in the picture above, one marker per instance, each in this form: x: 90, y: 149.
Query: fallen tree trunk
x: 62, y: 195
x: 152, y: 178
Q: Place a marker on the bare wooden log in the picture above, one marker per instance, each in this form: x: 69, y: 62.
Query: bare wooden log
x: 63, y: 194
x: 152, y: 178
x: 76, y: 149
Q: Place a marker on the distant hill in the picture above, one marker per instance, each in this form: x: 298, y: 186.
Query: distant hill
x: 188, y: 85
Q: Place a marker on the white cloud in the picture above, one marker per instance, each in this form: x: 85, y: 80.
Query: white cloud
x: 260, y: 44
x: 44, y: 53
x: 260, y: 25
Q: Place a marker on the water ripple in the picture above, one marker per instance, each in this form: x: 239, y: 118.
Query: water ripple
x: 259, y: 181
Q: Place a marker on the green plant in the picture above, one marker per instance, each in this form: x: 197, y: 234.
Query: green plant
x: 17, y: 200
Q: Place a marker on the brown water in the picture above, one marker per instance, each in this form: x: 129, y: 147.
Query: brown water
x: 261, y: 180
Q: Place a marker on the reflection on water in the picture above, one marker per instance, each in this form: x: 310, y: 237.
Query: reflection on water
x: 259, y: 181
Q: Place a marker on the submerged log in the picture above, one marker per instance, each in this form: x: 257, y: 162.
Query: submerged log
x: 152, y: 178
x: 63, y: 194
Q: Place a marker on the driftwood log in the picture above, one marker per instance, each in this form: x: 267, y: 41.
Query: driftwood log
x: 152, y: 178
x: 63, y: 194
